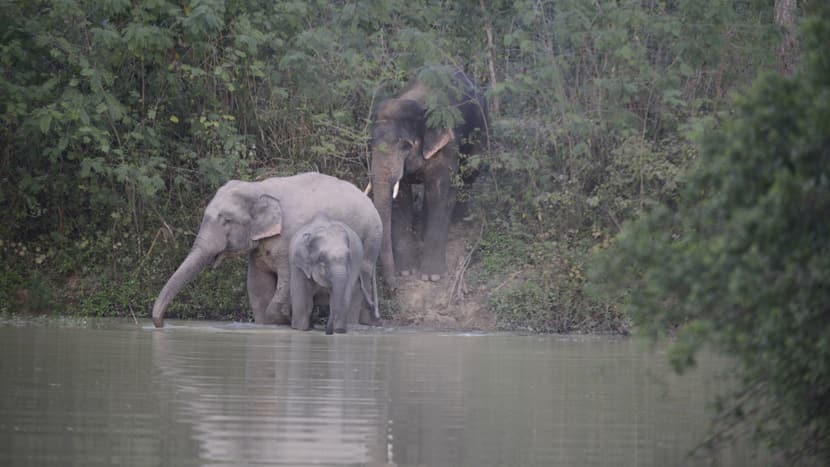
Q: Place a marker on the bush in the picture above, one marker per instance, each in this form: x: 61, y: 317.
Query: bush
x: 743, y: 263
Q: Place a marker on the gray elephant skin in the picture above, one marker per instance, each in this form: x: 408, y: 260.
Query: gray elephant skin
x: 325, y: 257
x: 406, y: 152
x: 259, y: 219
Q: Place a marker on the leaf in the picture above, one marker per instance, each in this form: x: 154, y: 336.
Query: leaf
x: 174, y: 119
x: 45, y: 122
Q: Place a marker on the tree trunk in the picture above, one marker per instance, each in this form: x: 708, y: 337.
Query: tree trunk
x: 491, y: 58
x: 785, y: 15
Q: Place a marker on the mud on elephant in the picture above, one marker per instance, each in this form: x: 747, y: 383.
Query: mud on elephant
x: 259, y: 219
x: 406, y: 151
x: 325, y: 257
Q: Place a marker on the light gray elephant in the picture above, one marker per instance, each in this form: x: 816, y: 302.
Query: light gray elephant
x: 259, y: 218
x: 325, y: 257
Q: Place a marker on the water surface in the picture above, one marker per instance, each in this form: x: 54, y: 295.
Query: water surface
x: 112, y: 392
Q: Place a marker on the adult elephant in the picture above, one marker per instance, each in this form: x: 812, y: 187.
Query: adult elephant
x: 406, y: 151
x: 259, y: 218
x: 325, y: 257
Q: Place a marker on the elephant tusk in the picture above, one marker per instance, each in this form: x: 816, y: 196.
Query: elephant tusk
x: 395, y: 189
x: 368, y: 189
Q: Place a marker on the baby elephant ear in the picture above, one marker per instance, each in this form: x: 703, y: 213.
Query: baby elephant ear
x: 299, y: 254
x: 435, y: 140
x: 267, y: 218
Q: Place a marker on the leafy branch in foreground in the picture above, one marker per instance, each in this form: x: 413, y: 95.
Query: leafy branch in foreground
x: 743, y: 262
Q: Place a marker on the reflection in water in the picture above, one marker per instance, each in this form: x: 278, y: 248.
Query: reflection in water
x: 291, y: 398
x: 224, y: 395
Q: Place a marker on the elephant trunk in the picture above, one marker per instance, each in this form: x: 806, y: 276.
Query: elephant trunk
x: 383, y: 203
x: 197, y: 260
x: 339, y: 302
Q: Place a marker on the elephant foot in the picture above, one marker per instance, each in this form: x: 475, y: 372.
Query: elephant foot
x: 340, y: 331
x: 371, y: 322
x: 430, y: 277
x: 274, y: 318
x: 408, y: 272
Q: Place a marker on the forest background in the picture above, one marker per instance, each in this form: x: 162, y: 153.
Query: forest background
x: 119, y: 119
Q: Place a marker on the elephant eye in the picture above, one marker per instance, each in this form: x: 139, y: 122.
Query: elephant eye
x: 404, y: 145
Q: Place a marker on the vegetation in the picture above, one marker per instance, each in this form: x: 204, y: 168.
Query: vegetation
x: 742, y: 260
x: 119, y: 119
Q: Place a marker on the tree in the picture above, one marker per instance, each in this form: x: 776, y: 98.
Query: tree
x: 785, y: 12
x: 743, y: 262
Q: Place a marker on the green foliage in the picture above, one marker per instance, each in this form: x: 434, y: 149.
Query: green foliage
x: 119, y: 119
x: 500, y: 251
x: 743, y: 262
x: 135, y: 112
x: 600, y: 107
x: 22, y: 289
x: 539, y: 285
x: 599, y: 96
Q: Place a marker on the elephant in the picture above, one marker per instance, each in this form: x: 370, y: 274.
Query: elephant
x: 405, y: 151
x: 325, y: 257
x: 259, y: 219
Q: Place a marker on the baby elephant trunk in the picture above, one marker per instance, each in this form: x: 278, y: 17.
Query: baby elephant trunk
x: 339, y: 303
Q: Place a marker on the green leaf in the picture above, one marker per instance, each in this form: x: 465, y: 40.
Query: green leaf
x: 45, y: 122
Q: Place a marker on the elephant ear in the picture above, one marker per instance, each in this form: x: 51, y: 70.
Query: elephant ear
x: 435, y: 140
x: 343, y: 231
x: 267, y: 218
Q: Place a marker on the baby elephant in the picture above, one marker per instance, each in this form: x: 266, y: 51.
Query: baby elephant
x: 325, y: 257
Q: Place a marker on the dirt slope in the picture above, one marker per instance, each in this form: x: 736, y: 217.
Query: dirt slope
x: 447, y: 303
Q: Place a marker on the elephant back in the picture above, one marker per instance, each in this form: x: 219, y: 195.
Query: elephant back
x: 305, y: 196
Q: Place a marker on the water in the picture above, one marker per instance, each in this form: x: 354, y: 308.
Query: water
x: 113, y: 393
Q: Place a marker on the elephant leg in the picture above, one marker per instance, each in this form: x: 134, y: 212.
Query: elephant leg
x: 404, y: 243
x: 368, y: 275
x: 261, y: 287
x: 302, y: 301
x: 358, y: 312
x: 280, y: 306
x: 439, y: 199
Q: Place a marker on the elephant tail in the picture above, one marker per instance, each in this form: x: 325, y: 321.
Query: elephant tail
x: 371, y: 299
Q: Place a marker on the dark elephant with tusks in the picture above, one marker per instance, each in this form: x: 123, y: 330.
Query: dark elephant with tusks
x: 258, y: 219
x: 406, y: 151
x: 326, y: 257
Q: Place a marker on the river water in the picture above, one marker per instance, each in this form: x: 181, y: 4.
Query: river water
x: 116, y: 393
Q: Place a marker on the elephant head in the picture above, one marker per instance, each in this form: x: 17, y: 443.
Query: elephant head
x: 401, y: 144
x: 330, y: 254
x: 235, y: 220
